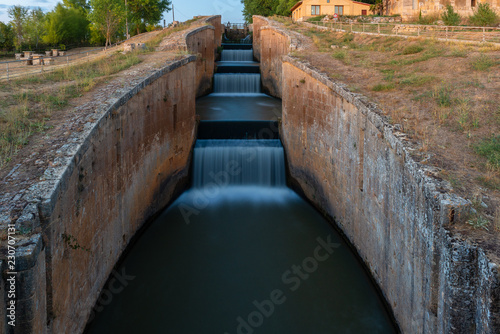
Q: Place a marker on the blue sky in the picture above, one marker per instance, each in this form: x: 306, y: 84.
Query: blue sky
x: 184, y: 9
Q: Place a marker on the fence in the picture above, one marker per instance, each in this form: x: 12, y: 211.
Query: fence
x: 447, y: 33
x: 19, y: 68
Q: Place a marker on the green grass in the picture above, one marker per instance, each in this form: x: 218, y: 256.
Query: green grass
x: 412, y: 49
x: 482, y: 63
x: 383, y: 87
x: 490, y: 149
x: 315, y: 18
x: 25, y: 113
x: 417, y: 80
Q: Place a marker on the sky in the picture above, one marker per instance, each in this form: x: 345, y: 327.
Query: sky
x: 183, y: 9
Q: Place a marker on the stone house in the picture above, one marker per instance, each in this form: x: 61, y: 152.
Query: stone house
x: 310, y: 8
x: 412, y: 8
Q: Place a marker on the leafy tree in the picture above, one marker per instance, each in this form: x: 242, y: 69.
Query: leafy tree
x: 35, y: 26
x: 484, y: 16
x: 258, y: 7
x: 106, y: 16
x: 284, y: 6
x: 81, y: 5
x: 66, y: 26
x: 450, y: 17
x: 6, y: 37
x: 377, y: 7
x: 18, y: 16
x: 147, y: 12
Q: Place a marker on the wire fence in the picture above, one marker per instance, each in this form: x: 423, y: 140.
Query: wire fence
x: 447, y: 33
x: 38, y: 63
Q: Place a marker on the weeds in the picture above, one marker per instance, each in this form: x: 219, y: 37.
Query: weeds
x: 383, y: 87
x: 482, y: 63
x: 417, y: 80
x: 490, y: 149
x: 443, y: 96
x: 412, y: 49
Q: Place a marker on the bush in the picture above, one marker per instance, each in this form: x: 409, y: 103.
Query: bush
x: 484, y: 16
x: 450, y: 18
x: 428, y: 19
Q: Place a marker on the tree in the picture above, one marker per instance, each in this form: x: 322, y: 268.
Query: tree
x: 6, y: 37
x: 484, y: 15
x: 377, y: 7
x: 258, y: 7
x: 81, y: 5
x: 107, y: 16
x: 35, y: 26
x: 147, y: 12
x: 450, y: 17
x: 66, y: 26
x: 284, y: 7
x: 18, y: 16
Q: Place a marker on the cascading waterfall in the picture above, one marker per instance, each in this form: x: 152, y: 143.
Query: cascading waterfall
x: 237, y: 83
x: 237, y: 55
x: 238, y: 162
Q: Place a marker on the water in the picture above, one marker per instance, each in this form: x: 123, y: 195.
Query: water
x: 240, y: 252
x: 237, y: 55
x: 238, y: 162
x: 238, y: 83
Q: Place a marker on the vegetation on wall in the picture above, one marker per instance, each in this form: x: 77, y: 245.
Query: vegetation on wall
x: 484, y: 15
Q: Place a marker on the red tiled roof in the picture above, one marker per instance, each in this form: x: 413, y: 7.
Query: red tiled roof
x: 296, y: 5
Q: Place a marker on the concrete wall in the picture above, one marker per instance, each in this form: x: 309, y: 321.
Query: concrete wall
x: 270, y: 43
x: 124, y: 166
x: 128, y: 168
x: 349, y: 162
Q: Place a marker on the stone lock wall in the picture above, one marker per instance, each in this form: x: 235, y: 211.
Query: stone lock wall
x: 130, y: 160
x: 346, y: 158
x: 270, y: 43
x: 126, y: 171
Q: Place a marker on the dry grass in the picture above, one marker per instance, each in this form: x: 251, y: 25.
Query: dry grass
x: 28, y: 103
x: 444, y: 96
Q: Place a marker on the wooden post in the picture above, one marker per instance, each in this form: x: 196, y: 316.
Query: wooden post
x: 363, y: 27
x: 351, y: 26
x: 67, y: 61
x: 418, y: 30
x: 484, y: 34
x: 446, y: 33
x: 7, y: 71
x: 378, y: 28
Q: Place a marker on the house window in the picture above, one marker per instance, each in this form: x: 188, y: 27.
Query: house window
x: 314, y: 10
x: 363, y: 12
x: 339, y: 10
x: 327, y: 1
x: 473, y: 3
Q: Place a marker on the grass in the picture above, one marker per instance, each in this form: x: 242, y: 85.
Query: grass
x: 412, y: 49
x: 490, y: 149
x: 482, y: 63
x: 417, y: 80
x: 383, y: 87
x: 25, y: 113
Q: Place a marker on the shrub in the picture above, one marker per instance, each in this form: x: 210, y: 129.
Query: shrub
x: 484, y: 16
x: 449, y: 17
x: 428, y: 19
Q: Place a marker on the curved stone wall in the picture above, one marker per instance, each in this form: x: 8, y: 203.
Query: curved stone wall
x: 130, y: 159
x: 350, y: 162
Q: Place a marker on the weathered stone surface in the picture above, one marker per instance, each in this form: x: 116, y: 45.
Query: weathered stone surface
x: 346, y: 158
x: 270, y: 42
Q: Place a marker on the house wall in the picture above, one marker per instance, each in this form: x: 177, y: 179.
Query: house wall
x: 328, y: 8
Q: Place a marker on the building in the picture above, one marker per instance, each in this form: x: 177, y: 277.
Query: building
x: 310, y: 8
x: 413, y: 8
